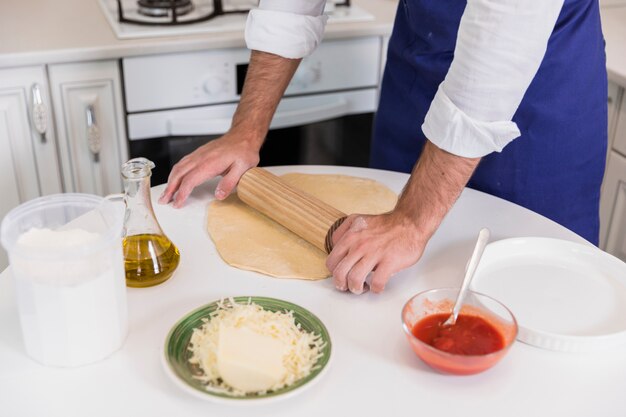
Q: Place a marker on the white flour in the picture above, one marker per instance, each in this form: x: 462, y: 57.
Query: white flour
x: 69, y: 268
x: 53, y: 239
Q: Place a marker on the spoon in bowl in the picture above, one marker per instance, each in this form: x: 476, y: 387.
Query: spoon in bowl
x: 483, y: 238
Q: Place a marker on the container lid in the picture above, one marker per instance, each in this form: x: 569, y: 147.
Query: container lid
x: 62, y: 212
x: 565, y: 296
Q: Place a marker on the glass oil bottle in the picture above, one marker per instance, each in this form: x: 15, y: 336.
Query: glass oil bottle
x: 150, y: 257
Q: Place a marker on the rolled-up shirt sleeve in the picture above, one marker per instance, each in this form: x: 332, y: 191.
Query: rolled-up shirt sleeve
x: 289, y: 28
x: 500, y: 46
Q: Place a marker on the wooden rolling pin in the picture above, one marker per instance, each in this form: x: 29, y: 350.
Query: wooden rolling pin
x: 311, y: 219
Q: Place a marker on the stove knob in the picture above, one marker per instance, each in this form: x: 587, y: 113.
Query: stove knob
x: 215, y: 85
x: 307, y: 75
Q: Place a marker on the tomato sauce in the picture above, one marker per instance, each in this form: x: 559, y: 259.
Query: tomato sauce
x: 470, y: 335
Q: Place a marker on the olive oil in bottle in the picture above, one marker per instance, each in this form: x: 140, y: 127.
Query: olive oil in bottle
x: 150, y: 257
x: 142, y: 268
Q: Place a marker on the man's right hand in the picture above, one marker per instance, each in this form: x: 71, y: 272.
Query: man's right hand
x: 229, y: 156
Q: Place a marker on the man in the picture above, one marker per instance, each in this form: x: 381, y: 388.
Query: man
x: 463, y: 79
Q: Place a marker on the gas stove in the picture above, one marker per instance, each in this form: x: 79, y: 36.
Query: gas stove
x: 131, y: 19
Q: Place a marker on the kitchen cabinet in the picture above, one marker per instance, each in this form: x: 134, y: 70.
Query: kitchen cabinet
x: 29, y: 166
x: 619, y: 136
x: 613, y: 197
x: 61, y: 129
x: 614, y: 205
x: 615, y: 93
x: 87, y: 100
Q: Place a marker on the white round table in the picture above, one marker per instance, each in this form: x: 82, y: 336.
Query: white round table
x: 373, y: 371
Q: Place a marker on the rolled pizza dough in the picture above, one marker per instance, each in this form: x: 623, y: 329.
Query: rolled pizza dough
x: 247, y: 239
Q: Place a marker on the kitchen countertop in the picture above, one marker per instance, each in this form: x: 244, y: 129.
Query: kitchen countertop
x: 47, y: 32
x: 373, y: 370
x: 44, y: 31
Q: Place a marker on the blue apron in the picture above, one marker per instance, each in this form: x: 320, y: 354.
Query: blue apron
x: 555, y: 168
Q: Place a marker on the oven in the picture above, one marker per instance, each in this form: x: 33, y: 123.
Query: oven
x: 177, y: 102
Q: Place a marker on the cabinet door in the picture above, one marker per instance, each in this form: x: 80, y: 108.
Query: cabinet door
x: 613, y: 206
x: 29, y: 166
x: 619, y: 140
x: 615, y: 94
x: 90, y: 119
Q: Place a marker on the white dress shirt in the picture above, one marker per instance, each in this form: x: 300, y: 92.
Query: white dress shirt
x: 500, y: 45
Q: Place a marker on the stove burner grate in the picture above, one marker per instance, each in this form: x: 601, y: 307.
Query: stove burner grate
x: 169, y: 12
x: 163, y: 8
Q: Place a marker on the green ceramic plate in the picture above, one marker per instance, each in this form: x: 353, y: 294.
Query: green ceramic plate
x: 176, y: 353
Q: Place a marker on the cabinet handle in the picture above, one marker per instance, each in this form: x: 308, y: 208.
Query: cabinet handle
x: 40, y: 114
x: 94, y: 141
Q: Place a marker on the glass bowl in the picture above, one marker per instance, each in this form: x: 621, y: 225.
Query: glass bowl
x: 442, y: 300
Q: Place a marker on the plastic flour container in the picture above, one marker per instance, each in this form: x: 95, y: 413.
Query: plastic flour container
x: 65, y: 254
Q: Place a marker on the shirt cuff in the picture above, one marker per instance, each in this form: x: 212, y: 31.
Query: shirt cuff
x: 289, y: 35
x: 452, y: 130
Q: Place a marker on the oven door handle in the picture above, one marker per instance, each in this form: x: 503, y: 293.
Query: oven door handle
x: 282, y: 118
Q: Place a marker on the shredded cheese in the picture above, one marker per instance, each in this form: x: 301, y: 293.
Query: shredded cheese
x: 303, y: 349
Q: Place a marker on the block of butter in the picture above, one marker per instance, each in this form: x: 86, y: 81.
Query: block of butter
x: 249, y: 361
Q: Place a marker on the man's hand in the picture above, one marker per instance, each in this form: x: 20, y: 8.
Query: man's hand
x: 383, y: 244
x: 229, y: 156
x: 238, y: 150
x: 388, y: 243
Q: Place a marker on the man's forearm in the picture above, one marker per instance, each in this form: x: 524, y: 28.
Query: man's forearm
x: 435, y: 184
x: 266, y: 81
